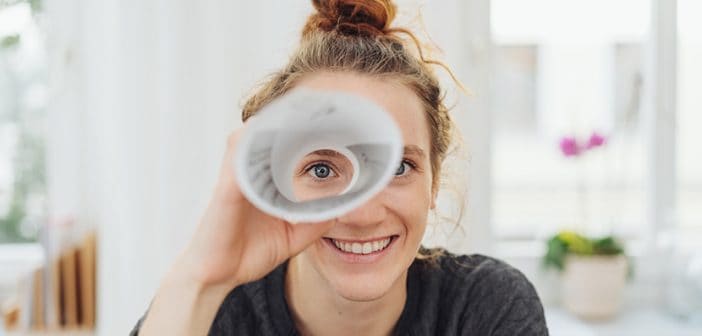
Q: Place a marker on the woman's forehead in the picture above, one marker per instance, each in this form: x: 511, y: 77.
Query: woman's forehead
x: 396, y: 98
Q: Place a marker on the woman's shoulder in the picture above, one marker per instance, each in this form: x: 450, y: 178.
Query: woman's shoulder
x: 472, y: 268
x: 479, y: 292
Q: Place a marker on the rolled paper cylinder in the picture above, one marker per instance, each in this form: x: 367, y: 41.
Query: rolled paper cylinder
x: 303, y: 121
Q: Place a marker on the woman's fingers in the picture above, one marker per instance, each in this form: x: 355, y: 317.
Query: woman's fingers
x: 227, y: 187
x: 227, y: 164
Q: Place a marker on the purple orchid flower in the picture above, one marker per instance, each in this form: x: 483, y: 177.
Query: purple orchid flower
x: 570, y: 146
x: 596, y: 140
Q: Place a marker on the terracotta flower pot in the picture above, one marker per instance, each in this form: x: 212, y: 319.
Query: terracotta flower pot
x: 592, y: 286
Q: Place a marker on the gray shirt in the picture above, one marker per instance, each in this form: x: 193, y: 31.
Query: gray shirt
x: 446, y: 295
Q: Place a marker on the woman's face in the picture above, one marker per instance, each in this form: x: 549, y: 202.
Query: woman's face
x: 368, y: 250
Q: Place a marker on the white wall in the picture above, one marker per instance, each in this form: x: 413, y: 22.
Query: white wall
x: 145, y: 93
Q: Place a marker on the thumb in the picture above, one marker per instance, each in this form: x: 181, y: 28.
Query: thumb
x: 300, y: 235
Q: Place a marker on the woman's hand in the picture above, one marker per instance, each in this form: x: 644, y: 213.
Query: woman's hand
x: 234, y: 243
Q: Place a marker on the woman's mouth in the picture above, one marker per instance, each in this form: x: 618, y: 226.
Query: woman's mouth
x: 365, y: 251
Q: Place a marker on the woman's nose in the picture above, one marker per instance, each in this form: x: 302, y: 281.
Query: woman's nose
x: 372, y: 212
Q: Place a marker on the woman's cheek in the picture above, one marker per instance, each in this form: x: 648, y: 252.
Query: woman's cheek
x: 412, y: 193
x: 411, y: 204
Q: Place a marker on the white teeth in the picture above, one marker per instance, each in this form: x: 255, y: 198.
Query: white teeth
x: 362, y: 248
x: 357, y: 248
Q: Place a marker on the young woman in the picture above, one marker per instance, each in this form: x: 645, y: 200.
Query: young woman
x: 246, y: 273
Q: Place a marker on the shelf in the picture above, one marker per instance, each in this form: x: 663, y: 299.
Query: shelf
x: 74, y: 332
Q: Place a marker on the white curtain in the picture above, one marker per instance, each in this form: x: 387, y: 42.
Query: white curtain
x: 144, y: 94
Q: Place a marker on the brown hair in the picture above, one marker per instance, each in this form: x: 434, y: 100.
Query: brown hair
x: 355, y: 36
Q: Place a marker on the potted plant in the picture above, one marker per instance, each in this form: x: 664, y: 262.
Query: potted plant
x: 593, y: 273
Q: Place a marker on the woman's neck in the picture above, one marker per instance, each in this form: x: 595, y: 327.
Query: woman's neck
x: 318, y: 310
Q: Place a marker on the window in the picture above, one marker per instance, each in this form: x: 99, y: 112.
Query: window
x: 22, y: 106
x: 568, y: 75
x: 689, y: 117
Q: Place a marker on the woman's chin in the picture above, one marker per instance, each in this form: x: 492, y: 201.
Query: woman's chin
x: 361, y: 292
x: 363, y: 287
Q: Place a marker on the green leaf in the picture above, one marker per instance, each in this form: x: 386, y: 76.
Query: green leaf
x: 568, y: 242
x: 10, y: 41
x: 607, y: 246
x: 556, y: 253
x: 36, y: 5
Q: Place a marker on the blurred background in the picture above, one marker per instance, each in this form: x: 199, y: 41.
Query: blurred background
x: 584, y: 118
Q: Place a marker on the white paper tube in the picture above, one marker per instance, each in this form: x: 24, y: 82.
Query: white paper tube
x: 303, y: 121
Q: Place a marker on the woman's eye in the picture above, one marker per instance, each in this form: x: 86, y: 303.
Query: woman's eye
x: 321, y: 171
x: 403, y: 168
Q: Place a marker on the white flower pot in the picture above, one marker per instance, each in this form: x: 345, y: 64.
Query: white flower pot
x: 592, y: 286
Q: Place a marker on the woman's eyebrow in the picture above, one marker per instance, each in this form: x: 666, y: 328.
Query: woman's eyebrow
x: 414, y: 150
x: 326, y: 152
x: 409, y: 150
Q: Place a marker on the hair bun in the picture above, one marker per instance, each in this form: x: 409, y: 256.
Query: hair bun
x: 351, y: 17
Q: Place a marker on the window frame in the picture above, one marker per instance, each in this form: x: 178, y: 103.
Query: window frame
x: 658, y: 127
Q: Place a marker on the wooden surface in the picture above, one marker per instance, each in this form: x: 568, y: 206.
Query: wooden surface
x: 53, y: 333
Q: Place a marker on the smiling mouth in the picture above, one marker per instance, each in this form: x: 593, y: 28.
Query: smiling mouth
x: 362, y: 247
